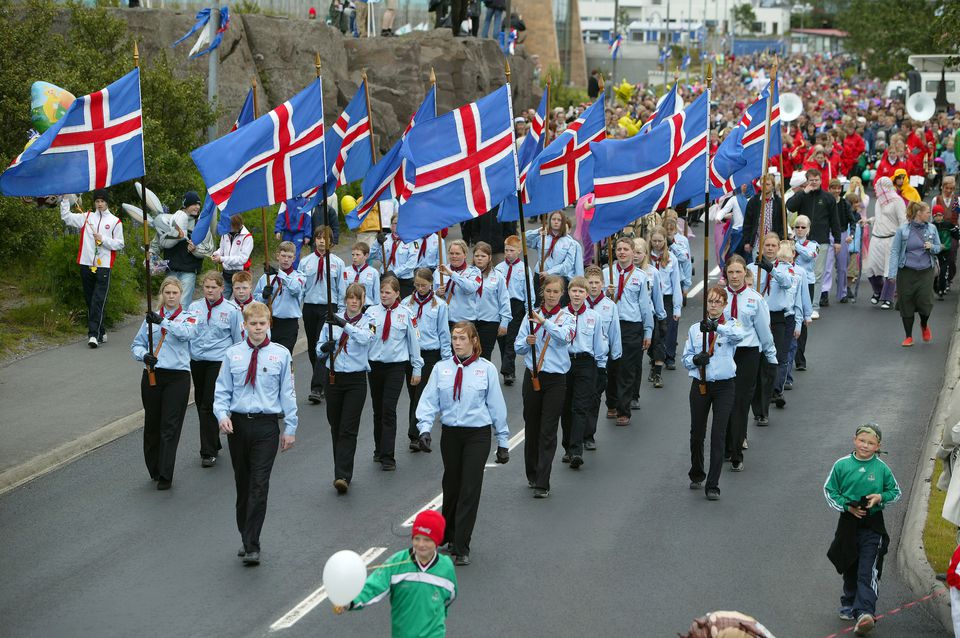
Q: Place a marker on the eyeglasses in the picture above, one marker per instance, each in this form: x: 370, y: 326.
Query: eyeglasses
x: 799, y: 226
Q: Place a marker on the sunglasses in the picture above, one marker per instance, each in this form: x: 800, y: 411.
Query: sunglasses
x: 799, y: 226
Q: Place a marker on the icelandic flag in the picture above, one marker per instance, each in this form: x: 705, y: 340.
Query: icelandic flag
x: 386, y: 179
x: 665, y: 54
x: 563, y: 172
x: 531, y: 147
x: 645, y: 173
x: 615, y: 46
x: 739, y: 159
x: 208, y: 40
x: 274, y: 158
x: 508, y: 41
x: 205, y: 218
x: 463, y: 164
x: 685, y: 63
x: 97, y: 143
x: 669, y: 105
x: 349, y: 152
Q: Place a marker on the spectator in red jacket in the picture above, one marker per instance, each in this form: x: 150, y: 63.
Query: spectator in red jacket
x: 853, y: 148
x: 892, y: 160
x: 820, y: 162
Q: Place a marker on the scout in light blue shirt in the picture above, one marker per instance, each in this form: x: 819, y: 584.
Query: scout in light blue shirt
x: 656, y: 294
x: 460, y: 285
x: 314, y: 269
x: 431, y: 321
x: 776, y: 285
x: 558, y: 323
x: 512, y: 273
x: 721, y: 365
x: 286, y: 291
x: 609, y: 320
x: 398, y: 342
x: 359, y: 272
x: 493, y: 300
x: 176, y: 329
x: 398, y: 257
x: 427, y: 250
x: 219, y: 326
x: 806, y: 249
x: 632, y: 290
x: 750, y: 309
x: 669, y: 281
x: 350, y: 344
x: 588, y: 334
x: 680, y: 247
x: 560, y: 254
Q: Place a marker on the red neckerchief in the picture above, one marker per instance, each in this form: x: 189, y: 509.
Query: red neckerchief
x: 176, y: 314
x: 321, y: 263
x: 547, y: 314
x: 576, y: 315
x: 553, y: 244
x: 386, y: 321
x: 393, y: 249
x: 624, y: 274
x: 733, y: 304
x: 344, y: 337
x: 243, y: 304
x: 453, y: 284
x: 593, y: 302
x: 712, y: 338
x: 421, y: 302
x: 510, y: 269
x: 252, y: 366
x: 458, y: 379
x: 211, y: 306
x: 358, y: 271
x: 423, y: 250
x: 480, y: 289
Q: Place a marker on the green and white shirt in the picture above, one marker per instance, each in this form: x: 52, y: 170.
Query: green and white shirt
x: 852, y: 478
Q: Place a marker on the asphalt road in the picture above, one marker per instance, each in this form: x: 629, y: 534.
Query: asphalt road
x: 621, y: 548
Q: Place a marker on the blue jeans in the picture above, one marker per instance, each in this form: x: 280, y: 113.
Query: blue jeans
x: 860, y: 580
x: 783, y: 370
x: 791, y: 356
x: 497, y: 16
x: 189, y: 281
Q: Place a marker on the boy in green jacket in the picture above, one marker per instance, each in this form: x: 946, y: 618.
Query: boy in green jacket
x: 859, y: 486
x: 420, y: 581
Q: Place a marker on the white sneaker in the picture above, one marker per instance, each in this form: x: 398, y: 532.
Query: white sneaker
x: 864, y: 625
x: 103, y: 339
x: 92, y: 342
x: 815, y: 315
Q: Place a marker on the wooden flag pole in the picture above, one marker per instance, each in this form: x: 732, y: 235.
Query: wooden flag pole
x: 327, y: 238
x: 263, y: 211
x: 706, y: 234
x: 763, y: 173
x: 534, y: 380
x: 373, y: 159
x: 602, y: 96
x: 148, y: 278
x: 433, y: 83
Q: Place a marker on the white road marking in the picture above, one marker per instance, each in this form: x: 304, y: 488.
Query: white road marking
x: 699, y: 287
x: 319, y: 595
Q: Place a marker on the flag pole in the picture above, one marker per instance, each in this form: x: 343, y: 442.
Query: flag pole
x: 543, y: 218
x: 763, y: 173
x: 534, y: 381
x: 602, y: 95
x: 327, y: 237
x: 706, y: 233
x: 263, y: 211
x: 373, y: 159
x: 151, y: 375
x: 433, y: 83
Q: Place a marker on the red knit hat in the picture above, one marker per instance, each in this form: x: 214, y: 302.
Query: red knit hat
x: 938, y: 209
x: 429, y: 523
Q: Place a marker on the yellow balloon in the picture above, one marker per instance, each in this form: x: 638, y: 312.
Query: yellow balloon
x: 624, y: 92
x: 629, y: 125
x: 347, y: 204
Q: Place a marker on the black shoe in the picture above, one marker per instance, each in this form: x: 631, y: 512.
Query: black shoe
x: 657, y: 381
x: 779, y: 401
x: 315, y: 398
x: 635, y: 404
x: 763, y: 421
x: 696, y: 485
x: 844, y: 300
x: 875, y: 299
x: 670, y: 365
x: 801, y: 367
x: 241, y: 552
x: 341, y: 486
x: 388, y: 466
x: 576, y: 461
x: 447, y: 548
x: 462, y: 560
x: 824, y: 300
x: 713, y: 494
x: 650, y: 377
x: 208, y: 461
x: 589, y: 445
x: 532, y: 484
x: 251, y: 558
x: 539, y: 493
x: 414, y: 446
x: 737, y: 466
x: 164, y: 484
x: 788, y: 386
x: 376, y: 457
x: 565, y: 458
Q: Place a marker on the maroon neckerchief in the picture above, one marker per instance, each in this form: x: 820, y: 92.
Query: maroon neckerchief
x: 321, y: 263
x: 211, y: 306
x: 483, y: 276
x: 712, y: 338
x: 624, y: 274
x: 358, y: 271
x: 344, y: 337
x: 421, y: 302
x: 423, y: 250
x: 243, y: 304
x: 510, y: 269
x: 733, y: 304
x: 593, y: 302
x: 553, y: 244
x: 458, y: 379
x: 176, y: 314
x: 252, y: 367
x: 547, y: 314
x: 393, y: 249
x: 386, y: 321
x: 576, y: 315
x: 453, y: 284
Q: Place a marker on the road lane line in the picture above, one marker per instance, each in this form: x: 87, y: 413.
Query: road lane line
x: 319, y: 595
x: 696, y: 289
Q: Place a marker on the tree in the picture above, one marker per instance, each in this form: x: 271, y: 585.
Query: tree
x: 947, y: 25
x: 885, y: 32
x: 744, y: 17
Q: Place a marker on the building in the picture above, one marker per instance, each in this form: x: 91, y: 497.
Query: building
x: 553, y: 34
x: 817, y: 40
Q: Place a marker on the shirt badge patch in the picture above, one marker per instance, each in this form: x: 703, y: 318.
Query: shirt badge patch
x: 273, y: 357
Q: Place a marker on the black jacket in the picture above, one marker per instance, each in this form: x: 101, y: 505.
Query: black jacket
x: 181, y: 259
x: 821, y: 208
x: 751, y: 220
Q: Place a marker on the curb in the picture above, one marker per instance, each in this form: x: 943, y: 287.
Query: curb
x: 911, y: 557
x: 65, y: 454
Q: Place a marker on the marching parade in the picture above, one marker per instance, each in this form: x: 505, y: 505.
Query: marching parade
x: 506, y: 275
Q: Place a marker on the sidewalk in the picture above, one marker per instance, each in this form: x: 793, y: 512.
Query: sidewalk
x: 64, y: 402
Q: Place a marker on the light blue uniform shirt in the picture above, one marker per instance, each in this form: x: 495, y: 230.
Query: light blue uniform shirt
x: 367, y: 276
x: 273, y: 392
x: 404, y: 259
x: 636, y: 302
x: 493, y: 301
x: 797, y: 290
x: 610, y: 322
x: 314, y: 287
x: 431, y: 255
x: 355, y: 354
x: 402, y: 344
x: 215, y: 335
x: 516, y: 289
x: 656, y: 294
x: 807, y: 251
x: 480, y: 404
x: 754, y: 315
x: 462, y: 303
x: 287, y: 293
x: 681, y: 250
x: 433, y: 325
x: 670, y: 283
x: 776, y: 286
x: 722, y: 365
x: 588, y: 334
x: 562, y: 259
x: 560, y: 328
x: 174, y: 353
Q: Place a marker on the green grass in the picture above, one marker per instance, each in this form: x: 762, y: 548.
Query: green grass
x: 35, y: 324
x: 939, y: 535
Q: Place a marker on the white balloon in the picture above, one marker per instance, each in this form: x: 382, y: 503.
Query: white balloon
x: 344, y: 576
x: 153, y: 202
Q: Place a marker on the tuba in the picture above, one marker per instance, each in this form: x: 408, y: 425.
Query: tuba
x: 921, y: 107
x: 791, y: 107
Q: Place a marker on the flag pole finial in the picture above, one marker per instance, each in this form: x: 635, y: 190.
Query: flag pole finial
x: 506, y: 69
x: 136, y: 55
x: 363, y: 74
x: 253, y: 83
x: 709, y: 74
x: 316, y: 62
x: 433, y: 76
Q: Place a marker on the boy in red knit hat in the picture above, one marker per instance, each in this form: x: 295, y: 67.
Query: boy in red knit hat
x: 420, y: 581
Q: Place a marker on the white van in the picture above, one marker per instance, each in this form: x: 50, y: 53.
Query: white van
x: 930, y: 68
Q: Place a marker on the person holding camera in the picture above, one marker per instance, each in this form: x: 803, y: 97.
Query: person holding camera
x: 464, y: 391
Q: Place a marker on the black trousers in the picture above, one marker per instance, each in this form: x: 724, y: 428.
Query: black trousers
x: 720, y: 396
x: 599, y: 387
x: 487, y: 331
x: 253, y: 448
x: 164, y: 406
x: 578, y: 402
x: 285, y: 332
x: 657, y: 353
x: 314, y: 318
x: 406, y: 287
x: 345, y: 399
x: 464, y: 451
x: 458, y: 13
x: 386, y: 382
x: 624, y: 375
x: 748, y: 363
x: 800, y: 358
x: 508, y: 356
x: 204, y: 384
x: 430, y: 359
x: 767, y: 374
x: 541, y: 416
x: 95, y: 287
